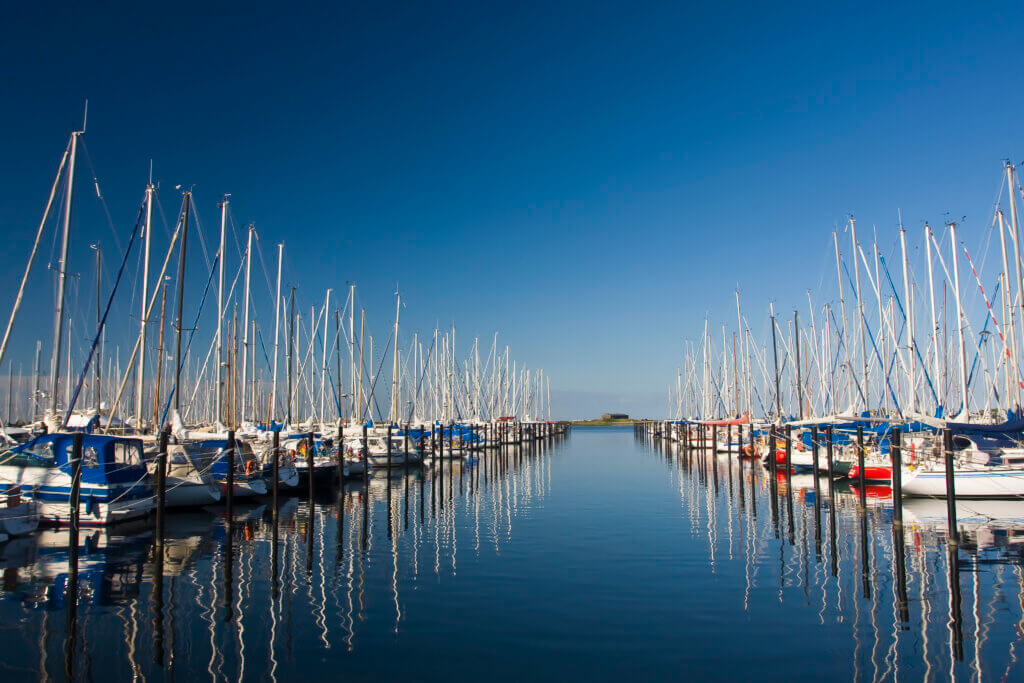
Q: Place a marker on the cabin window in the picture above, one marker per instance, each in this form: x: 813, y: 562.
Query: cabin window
x: 90, y: 458
x: 960, y: 443
x: 126, y: 454
x: 37, y: 455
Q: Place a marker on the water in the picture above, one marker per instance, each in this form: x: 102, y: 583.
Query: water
x: 596, y: 556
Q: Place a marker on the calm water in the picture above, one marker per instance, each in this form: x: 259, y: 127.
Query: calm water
x: 596, y: 556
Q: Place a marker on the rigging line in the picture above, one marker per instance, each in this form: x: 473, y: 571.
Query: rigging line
x: 191, y: 335
x: 917, y: 349
x: 199, y: 229
x: 32, y: 256
x: 99, y: 195
x: 103, y: 320
x: 163, y: 216
x: 871, y: 337
x: 376, y: 376
x: 991, y: 313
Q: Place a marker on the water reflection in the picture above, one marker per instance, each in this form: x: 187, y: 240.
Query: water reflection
x: 255, y: 592
x: 917, y: 604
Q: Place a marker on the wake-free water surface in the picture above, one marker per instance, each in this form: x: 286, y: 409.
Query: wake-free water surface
x: 596, y: 556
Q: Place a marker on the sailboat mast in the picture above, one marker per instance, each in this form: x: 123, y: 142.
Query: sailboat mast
x: 98, y: 365
x: 1008, y: 317
x: 291, y: 355
x: 140, y: 381
x: 860, y: 313
x: 277, y: 334
x: 931, y: 298
x: 1011, y: 186
x: 223, y: 205
x: 775, y: 356
x: 965, y: 411
x: 245, y: 321
x: 842, y: 313
x: 323, y: 371
x: 62, y: 280
x: 359, y: 386
x: 394, y: 370
x: 908, y: 305
x: 181, y: 300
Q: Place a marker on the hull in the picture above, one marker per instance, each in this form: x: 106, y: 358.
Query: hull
x: 100, y: 514
x: 182, y: 492
x: 980, y: 482
x: 19, y: 520
x: 872, y: 473
x: 246, y: 489
x: 99, y: 504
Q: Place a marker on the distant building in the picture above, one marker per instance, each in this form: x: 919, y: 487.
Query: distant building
x: 614, y: 416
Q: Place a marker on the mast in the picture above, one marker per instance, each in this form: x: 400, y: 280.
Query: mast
x: 245, y: 321
x: 965, y: 410
x: 352, y: 343
x: 931, y: 296
x: 277, y: 332
x: 799, y: 376
x: 337, y: 354
x: 394, y: 369
x: 159, y: 360
x: 860, y: 310
x: 35, y: 390
x: 140, y: 381
x: 842, y: 313
x: 98, y: 365
x: 323, y: 372
x: 223, y: 205
x: 1011, y: 186
x: 291, y: 356
x: 359, y: 386
x: 181, y: 300
x: 910, y: 320
x: 62, y: 279
x: 775, y: 355
x: 1013, y: 385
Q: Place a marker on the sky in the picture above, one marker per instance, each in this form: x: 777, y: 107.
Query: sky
x: 588, y: 180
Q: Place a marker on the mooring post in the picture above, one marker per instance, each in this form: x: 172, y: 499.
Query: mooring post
x: 75, y: 495
x: 341, y: 452
x: 789, y: 450
x: 71, y: 588
x: 310, y: 448
x: 389, y: 456
x: 231, y: 473
x: 366, y: 460
x: 772, y: 450
x: 161, y: 485
x: 814, y: 454
x: 828, y: 457
x: 947, y: 440
x: 896, y: 453
x: 276, y: 466
x: 862, y: 485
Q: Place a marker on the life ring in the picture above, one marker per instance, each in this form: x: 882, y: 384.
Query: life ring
x: 747, y: 450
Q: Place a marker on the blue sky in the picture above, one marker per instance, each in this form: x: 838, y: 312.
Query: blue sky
x: 589, y: 180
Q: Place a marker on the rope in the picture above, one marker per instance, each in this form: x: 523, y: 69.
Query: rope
x: 103, y: 320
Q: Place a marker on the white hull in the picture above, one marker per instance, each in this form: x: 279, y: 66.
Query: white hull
x: 186, y: 492
x: 979, y: 481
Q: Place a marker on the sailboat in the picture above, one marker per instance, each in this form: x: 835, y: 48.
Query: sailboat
x: 115, y: 484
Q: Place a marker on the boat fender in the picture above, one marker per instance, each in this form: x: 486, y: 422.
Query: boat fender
x: 249, y: 467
